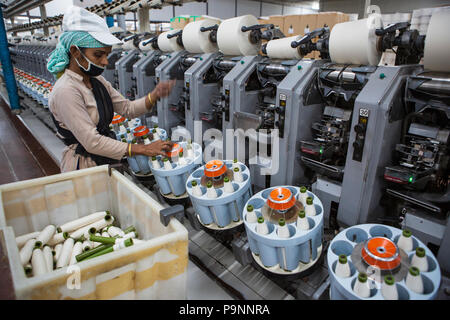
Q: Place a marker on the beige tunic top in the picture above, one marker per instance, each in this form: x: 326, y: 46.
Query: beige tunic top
x: 74, y: 107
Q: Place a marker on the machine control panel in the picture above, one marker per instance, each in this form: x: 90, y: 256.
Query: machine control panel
x: 226, y: 99
x: 281, y: 114
x: 360, y: 129
x: 186, y: 90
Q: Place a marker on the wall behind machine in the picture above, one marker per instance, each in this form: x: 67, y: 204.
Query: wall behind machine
x: 270, y: 9
x: 248, y: 7
x: 386, y: 6
x: 191, y: 9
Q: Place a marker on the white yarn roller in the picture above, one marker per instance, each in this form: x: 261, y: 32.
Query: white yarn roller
x: 147, y: 47
x: 232, y: 41
x: 437, y: 43
x: 281, y: 48
x: 355, y: 42
x: 195, y: 41
x: 168, y: 45
x: 128, y: 45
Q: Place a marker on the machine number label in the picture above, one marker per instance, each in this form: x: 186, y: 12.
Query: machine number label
x: 282, y: 96
x: 364, y: 112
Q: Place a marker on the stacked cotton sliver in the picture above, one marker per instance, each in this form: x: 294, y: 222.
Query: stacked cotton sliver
x: 85, y: 238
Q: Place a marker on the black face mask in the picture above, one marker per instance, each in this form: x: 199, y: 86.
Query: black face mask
x: 92, y: 70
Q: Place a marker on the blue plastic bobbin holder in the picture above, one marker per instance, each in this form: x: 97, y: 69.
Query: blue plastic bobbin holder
x: 350, y: 242
x: 140, y: 164
x: 285, y: 256
x: 137, y: 123
x: 174, y: 181
x: 225, y: 211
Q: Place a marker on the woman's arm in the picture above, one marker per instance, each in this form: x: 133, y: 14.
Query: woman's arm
x: 69, y: 108
x: 133, y: 109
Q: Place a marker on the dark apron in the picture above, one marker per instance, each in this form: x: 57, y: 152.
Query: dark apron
x: 105, y: 112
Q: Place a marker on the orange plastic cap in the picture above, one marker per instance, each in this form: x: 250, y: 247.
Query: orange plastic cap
x: 118, y: 119
x: 281, y: 199
x: 215, y: 168
x: 176, y: 149
x: 381, y: 252
x: 140, y: 131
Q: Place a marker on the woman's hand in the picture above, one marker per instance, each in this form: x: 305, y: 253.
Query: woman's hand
x: 156, y: 148
x: 162, y: 89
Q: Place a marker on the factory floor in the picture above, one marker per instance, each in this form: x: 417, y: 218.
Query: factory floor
x: 28, y: 150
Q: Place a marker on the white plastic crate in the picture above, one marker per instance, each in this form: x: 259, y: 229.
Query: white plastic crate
x: 156, y: 269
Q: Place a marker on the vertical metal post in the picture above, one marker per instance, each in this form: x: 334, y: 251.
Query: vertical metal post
x: 12, y: 25
x: 7, y: 68
x: 366, y: 5
x: 121, y: 22
x: 144, y: 20
x: 109, y: 19
x: 29, y: 21
x: 44, y: 16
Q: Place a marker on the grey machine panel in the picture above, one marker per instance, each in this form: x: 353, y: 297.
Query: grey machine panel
x: 169, y: 113
x: 144, y: 76
x: 124, y: 68
x: 199, y: 94
x: 233, y: 88
x: 369, y: 152
x: 299, y: 113
x: 110, y: 69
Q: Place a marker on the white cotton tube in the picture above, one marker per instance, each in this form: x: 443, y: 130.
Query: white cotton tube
x: 26, y: 252
x: 81, y: 222
x: 21, y: 240
x: 58, y: 238
x: 237, y: 176
x: 58, y: 249
x: 45, y: 235
x: 38, y: 263
x: 66, y: 252
x: 48, y: 256
x: 132, y: 235
x: 77, y: 249
x: 87, y: 245
x: 115, y: 231
x: 98, y: 225
x: 228, y: 187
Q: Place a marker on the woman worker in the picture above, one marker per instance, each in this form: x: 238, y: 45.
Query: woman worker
x: 83, y: 103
